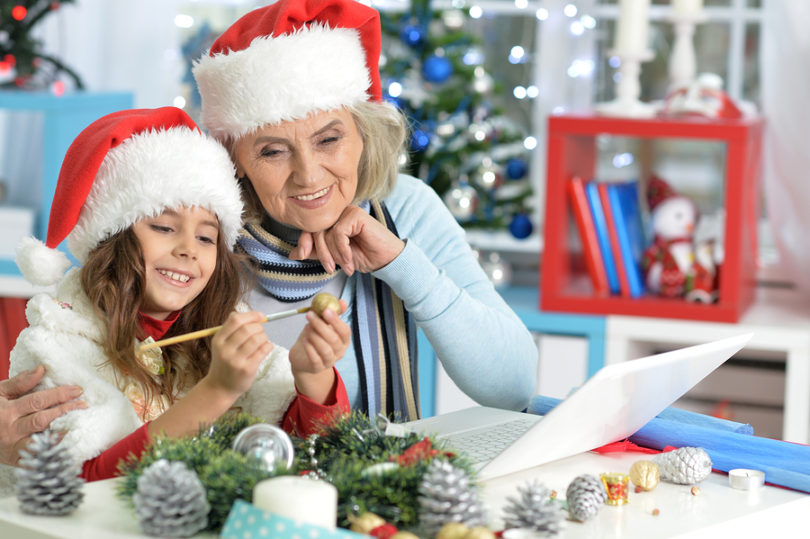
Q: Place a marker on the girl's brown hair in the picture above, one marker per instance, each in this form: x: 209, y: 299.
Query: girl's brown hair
x: 114, y: 279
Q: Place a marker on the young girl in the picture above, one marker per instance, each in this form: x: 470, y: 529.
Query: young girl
x: 150, y: 207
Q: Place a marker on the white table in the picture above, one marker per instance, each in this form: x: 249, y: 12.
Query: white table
x: 780, y: 322
x: 718, y: 511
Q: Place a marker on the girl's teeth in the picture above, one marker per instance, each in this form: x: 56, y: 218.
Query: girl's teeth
x: 314, y: 195
x: 175, y: 276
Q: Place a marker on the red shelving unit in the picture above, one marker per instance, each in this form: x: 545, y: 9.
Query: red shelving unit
x: 572, y: 151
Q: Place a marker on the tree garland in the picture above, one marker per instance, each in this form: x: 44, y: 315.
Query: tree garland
x: 372, y: 471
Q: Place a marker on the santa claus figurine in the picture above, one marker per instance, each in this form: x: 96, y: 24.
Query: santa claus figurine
x: 669, y: 264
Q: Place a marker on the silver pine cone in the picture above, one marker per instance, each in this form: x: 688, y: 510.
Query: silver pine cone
x: 446, y: 495
x: 170, y: 500
x: 585, y: 496
x: 48, y: 481
x: 684, y: 466
x: 534, y: 509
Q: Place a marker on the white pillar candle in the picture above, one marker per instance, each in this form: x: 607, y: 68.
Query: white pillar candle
x: 687, y: 7
x: 298, y: 498
x: 633, y: 26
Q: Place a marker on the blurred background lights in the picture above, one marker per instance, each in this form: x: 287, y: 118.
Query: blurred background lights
x: 530, y: 143
x: 614, y: 62
x: 519, y: 92
x: 476, y: 12
x: 394, y: 89
x: 588, y: 22
x: 581, y: 68
x: 521, y: 4
x: 541, y: 14
x: 517, y: 55
x: 577, y: 28
x: 570, y: 10
x: 473, y: 57
x: 621, y: 160
x: 532, y: 91
x: 179, y: 102
x: 182, y: 20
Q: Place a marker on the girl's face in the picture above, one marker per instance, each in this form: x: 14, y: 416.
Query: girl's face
x: 179, y: 249
x: 304, y: 171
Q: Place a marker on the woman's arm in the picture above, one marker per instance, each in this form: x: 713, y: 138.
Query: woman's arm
x: 481, y: 342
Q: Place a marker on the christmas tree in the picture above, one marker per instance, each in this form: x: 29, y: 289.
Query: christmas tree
x: 21, y: 54
x: 461, y: 143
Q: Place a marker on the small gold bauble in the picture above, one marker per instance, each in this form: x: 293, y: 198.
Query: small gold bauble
x: 480, y: 532
x: 645, y: 474
x: 325, y: 301
x: 453, y: 530
x: 365, y: 522
x: 404, y: 535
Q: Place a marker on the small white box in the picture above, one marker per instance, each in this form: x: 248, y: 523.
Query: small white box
x: 16, y: 223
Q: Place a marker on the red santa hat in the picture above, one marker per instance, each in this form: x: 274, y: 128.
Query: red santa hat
x: 658, y: 190
x: 122, y: 168
x: 286, y: 60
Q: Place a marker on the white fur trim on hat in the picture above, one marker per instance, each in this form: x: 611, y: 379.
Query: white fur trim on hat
x: 150, y: 172
x: 40, y: 264
x: 281, y: 78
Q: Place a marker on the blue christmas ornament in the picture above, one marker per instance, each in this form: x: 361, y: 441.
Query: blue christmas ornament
x: 516, y: 168
x: 412, y: 35
x: 521, y: 226
x: 419, y: 140
x: 437, y: 68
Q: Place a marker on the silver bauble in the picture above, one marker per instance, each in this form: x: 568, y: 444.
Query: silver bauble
x: 267, y: 443
x: 461, y: 200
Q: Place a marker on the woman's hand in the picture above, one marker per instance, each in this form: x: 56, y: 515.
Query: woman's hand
x: 237, y: 351
x: 321, y: 344
x: 356, y: 242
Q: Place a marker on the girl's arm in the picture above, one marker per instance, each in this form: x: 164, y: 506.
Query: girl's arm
x: 237, y: 351
x: 305, y: 416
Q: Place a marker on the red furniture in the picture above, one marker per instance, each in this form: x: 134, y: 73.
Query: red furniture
x: 572, y: 151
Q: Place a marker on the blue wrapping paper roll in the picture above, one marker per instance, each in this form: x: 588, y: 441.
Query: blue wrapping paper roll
x: 729, y: 444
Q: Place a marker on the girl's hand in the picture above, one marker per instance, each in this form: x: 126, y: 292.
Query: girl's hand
x: 356, y: 242
x: 321, y: 344
x: 237, y: 351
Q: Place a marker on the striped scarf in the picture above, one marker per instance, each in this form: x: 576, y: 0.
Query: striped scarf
x: 383, y: 332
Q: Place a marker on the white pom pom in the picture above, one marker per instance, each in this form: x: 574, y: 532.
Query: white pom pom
x: 40, y: 264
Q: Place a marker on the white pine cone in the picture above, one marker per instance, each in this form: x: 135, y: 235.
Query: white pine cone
x: 585, y: 496
x: 534, y: 509
x: 170, y: 500
x: 48, y: 481
x: 684, y: 466
x: 446, y: 495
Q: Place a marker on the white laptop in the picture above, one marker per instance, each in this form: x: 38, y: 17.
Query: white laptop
x: 610, y: 406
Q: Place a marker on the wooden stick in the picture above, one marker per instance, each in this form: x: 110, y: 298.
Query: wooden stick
x: 210, y: 331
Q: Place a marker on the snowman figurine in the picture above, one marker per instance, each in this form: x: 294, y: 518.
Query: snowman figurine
x: 668, y: 263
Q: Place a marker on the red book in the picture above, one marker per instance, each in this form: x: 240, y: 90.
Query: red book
x: 587, y: 231
x: 615, y: 248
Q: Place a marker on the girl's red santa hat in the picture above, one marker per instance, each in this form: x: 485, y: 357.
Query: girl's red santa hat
x: 122, y: 168
x: 286, y: 60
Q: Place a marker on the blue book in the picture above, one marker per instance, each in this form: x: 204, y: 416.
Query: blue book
x: 602, y: 235
x: 630, y: 232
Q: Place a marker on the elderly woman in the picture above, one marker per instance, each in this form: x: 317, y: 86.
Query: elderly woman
x: 293, y: 90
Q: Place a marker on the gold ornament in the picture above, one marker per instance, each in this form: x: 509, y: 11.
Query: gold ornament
x: 404, y: 535
x: 480, y: 532
x: 365, y: 522
x: 645, y: 474
x: 453, y: 530
x: 325, y: 301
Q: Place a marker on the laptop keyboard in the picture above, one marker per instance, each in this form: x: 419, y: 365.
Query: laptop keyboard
x: 485, y: 444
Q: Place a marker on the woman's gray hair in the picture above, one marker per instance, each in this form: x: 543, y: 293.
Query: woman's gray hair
x: 383, y: 129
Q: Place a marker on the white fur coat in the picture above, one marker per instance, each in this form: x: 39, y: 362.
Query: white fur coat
x: 67, y: 337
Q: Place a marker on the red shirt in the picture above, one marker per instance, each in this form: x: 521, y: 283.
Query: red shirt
x: 303, y: 417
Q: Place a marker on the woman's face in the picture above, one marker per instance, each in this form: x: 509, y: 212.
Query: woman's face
x: 179, y: 249
x: 304, y: 171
